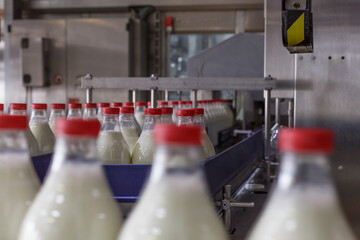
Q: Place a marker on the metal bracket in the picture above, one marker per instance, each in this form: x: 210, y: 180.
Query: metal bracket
x: 227, y: 203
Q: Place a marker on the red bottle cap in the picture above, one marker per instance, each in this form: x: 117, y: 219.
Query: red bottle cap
x: 306, y: 140
x: 38, y: 106
x: 116, y: 104
x: 13, y: 122
x: 197, y: 111
x: 173, y: 102
x: 1, y: 107
x: 163, y: 103
x: 110, y: 110
x: 103, y: 104
x: 128, y: 104
x: 77, y: 127
x: 57, y: 106
x: 127, y: 110
x: 182, y: 135
x: 152, y: 111
x: 182, y: 102
x: 89, y: 105
x: 74, y: 105
x: 188, y: 102
x: 149, y: 104
x: 185, y: 113
x: 166, y: 110
x: 141, y: 104
x: 18, y: 106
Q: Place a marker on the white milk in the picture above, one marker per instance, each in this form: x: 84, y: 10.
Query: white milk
x: 144, y: 148
x: 174, y: 208
x: 302, y: 215
x: 44, y: 136
x: 130, y: 136
x: 18, y: 187
x: 32, y: 143
x: 74, y: 204
x: 113, y: 148
x: 140, y: 118
x: 207, y: 145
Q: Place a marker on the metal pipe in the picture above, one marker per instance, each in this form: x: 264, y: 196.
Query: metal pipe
x: 226, y: 206
x: 166, y: 95
x: 277, y: 110
x: 134, y: 96
x: 153, y: 97
x: 89, y: 95
x: 194, y: 97
x: 267, y: 120
x: 291, y: 113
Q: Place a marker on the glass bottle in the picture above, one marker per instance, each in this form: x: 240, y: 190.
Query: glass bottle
x: 166, y: 115
x: 75, y: 201
x: 128, y: 127
x: 139, y: 113
x: 20, y: 109
x: 175, y: 106
x: 111, y: 144
x: 39, y: 126
x: 175, y: 203
x: 206, y: 143
x: 74, y: 110
x: 303, y: 204
x: 99, y: 110
x: 144, y: 148
x: 90, y: 111
x: 19, y: 183
x: 57, y: 111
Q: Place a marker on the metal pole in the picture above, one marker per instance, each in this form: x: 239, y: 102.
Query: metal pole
x: 291, y: 113
x: 277, y: 110
x: 166, y: 95
x: 194, y: 97
x: 226, y: 207
x: 153, y: 97
x: 134, y: 96
x: 267, y: 97
x: 89, y: 95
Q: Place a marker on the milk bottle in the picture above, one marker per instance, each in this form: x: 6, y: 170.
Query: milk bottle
x: 116, y: 104
x: 75, y: 201
x: 74, y: 110
x: 128, y: 127
x: 90, y: 111
x: 137, y: 125
x: 175, y: 203
x: 185, y: 117
x: 144, y: 148
x: 18, y: 180
x: 166, y: 115
x: 99, y: 110
x: 39, y: 126
x: 175, y: 106
x: 111, y: 144
x: 57, y: 111
x: 304, y: 202
x: 20, y: 109
x: 162, y: 104
x: 206, y: 143
x: 139, y: 113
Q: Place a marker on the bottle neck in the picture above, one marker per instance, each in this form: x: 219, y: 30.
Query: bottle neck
x: 127, y: 120
x: 76, y: 150
x: 139, y: 109
x: 300, y: 171
x: 182, y: 120
x: 75, y: 113
x: 110, y: 122
x: 17, y: 112
x: 150, y: 122
x: 90, y: 113
x: 166, y: 118
x: 12, y: 141
x: 175, y: 160
x: 38, y: 115
x: 200, y: 120
x: 55, y: 113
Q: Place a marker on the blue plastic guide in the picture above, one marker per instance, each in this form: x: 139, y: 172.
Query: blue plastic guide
x: 126, y: 181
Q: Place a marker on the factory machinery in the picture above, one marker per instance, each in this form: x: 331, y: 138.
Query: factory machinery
x: 102, y: 51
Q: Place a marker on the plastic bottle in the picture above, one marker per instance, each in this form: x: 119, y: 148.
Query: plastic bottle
x: 303, y: 204
x: 57, y: 111
x: 19, y: 183
x: 99, y: 110
x: 128, y: 127
x: 175, y: 203
x: 74, y: 110
x: 39, y: 126
x: 166, y: 115
x: 111, y: 145
x: 206, y: 143
x: 20, y: 109
x: 144, y: 148
x: 162, y: 104
x: 116, y: 104
x: 75, y: 202
x: 90, y: 111
x: 139, y: 113
x: 175, y: 106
